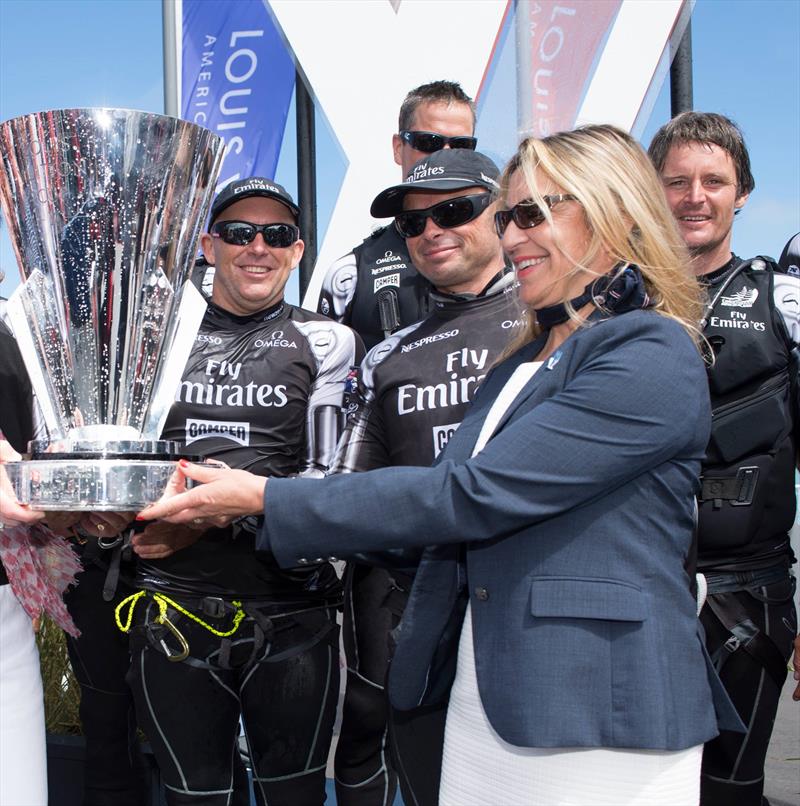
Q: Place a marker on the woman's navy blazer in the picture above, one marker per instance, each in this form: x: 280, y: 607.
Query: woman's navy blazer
x: 568, y: 534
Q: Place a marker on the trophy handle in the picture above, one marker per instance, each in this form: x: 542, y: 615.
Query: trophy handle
x: 191, y: 310
x: 41, y: 344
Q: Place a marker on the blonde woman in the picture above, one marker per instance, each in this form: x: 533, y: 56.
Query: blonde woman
x: 552, y: 603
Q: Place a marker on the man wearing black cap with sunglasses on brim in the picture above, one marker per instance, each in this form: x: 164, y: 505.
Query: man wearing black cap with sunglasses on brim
x: 375, y: 288
x: 263, y: 389
x: 412, y: 392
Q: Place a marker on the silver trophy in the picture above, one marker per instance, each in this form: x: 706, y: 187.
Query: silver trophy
x: 104, y: 209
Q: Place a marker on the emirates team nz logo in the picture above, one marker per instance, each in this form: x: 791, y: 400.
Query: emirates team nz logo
x: 741, y: 299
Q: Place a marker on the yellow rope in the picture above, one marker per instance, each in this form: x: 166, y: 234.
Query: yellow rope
x: 162, y: 602
x: 131, y: 601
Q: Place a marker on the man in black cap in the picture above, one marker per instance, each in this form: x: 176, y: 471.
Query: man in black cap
x: 412, y: 392
x: 375, y: 288
x: 218, y: 631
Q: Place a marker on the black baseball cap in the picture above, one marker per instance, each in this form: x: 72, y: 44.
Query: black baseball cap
x: 254, y: 186
x: 442, y: 171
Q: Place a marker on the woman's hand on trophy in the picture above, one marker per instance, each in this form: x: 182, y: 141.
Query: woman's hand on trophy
x: 221, y: 496
x: 12, y: 513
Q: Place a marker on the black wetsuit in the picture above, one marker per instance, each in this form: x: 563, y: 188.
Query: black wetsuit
x: 747, y: 507
x: 261, y: 392
x: 114, y: 771
x: 413, y: 390
x: 375, y: 289
x: 16, y: 397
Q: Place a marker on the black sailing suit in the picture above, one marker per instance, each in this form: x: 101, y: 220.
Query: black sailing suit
x: 375, y: 289
x: 413, y: 390
x: 747, y: 507
x: 264, y: 393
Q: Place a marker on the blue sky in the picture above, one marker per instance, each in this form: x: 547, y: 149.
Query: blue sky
x: 63, y: 53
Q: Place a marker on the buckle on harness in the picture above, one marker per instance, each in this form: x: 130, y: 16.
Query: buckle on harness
x: 739, y: 490
x: 746, y: 477
x: 213, y: 606
x: 732, y: 644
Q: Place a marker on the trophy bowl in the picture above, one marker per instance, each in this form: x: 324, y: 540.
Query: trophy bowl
x: 95, y: 474
x: 104, y: 209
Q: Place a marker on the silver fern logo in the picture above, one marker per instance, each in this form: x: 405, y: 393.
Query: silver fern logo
x: 741, y: 299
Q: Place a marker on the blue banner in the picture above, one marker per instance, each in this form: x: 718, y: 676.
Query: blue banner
x: 237, y: 79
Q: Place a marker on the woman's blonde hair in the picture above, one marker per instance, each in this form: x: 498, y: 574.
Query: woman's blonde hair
x: 625, y: 210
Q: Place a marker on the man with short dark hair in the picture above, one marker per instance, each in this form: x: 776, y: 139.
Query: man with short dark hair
x: 747, y: 499
x: 411, y: 393
x: 375, y: 288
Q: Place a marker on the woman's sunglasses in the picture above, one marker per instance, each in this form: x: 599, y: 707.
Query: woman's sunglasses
x: 527, y: 213
x: 446, y: 214
x: 241, y: 233
x: 428, y: 142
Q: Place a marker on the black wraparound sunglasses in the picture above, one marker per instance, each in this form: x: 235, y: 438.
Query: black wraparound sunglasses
x: 527, y: 213
x: 428, y: 142
x: 241, y: 233
x: 447, y: 214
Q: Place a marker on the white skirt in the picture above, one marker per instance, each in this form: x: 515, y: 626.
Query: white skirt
x: 480, y: 769
x: 23, y: 766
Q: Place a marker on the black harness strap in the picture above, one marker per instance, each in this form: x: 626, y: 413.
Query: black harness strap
x: 289, y: 652
x: 112, y: 574
x: 744, y: 635
x: 738, y: 489
x: 297, y: 649
x: 264, y: 629
x: 119, y: 549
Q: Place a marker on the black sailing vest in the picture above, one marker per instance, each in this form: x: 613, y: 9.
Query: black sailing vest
x: 390, y: 293
x: 747, y: 502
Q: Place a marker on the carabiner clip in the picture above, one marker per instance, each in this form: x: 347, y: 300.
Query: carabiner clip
x: 184, y: 653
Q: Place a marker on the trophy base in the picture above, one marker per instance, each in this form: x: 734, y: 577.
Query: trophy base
x: 107, y: 485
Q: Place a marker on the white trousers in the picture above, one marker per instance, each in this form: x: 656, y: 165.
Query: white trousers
x: 23, y: 755
x: 479, y: 768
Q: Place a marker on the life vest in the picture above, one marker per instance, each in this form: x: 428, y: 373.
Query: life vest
x: 747, y: 500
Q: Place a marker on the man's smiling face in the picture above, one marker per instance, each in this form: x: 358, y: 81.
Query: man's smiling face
x: 701, y: 186
x: 252, y: 277
x: 455, y: 259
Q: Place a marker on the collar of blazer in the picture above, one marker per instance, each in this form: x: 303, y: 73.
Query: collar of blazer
x: 499, y: 377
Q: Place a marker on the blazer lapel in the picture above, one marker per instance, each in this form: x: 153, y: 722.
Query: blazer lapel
x: 537, y: 383
x: 461, y: 445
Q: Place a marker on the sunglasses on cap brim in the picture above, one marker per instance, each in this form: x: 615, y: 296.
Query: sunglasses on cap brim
x: 527, y: 213
x: 447, y: 214
x: 241, y: 233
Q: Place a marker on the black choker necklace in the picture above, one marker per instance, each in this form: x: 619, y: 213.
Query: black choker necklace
x: 617, y: 292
